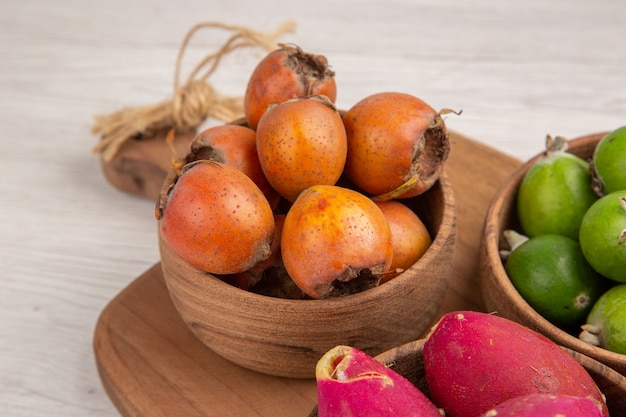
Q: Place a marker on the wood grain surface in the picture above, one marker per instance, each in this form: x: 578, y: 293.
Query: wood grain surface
x: 152, y: 365
x: 70, y: 241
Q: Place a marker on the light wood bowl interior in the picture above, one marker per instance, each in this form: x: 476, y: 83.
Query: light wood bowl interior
x: 287, y: 337
x: 408, y: 361
x: 499, y: 293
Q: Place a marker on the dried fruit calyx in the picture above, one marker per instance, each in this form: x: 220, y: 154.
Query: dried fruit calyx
x: 310, y: 67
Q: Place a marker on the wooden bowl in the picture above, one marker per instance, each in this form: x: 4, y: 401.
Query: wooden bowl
x: 499, y: 293
x: 285, y: 337
x: 408, y: 361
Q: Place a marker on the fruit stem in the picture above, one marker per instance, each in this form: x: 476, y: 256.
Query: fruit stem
x: 514, y: 239
x: 448, y: 111
x: 557, y: 144
x: 437, y: 122
x: 407, y: 185
x: 590, y: 334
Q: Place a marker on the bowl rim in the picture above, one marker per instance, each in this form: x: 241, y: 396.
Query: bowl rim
x: 493, y: 265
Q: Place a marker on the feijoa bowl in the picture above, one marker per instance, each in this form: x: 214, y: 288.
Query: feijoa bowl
x: 499, y: 293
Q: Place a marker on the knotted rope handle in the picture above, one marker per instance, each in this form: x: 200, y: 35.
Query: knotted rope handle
x: 193, y: 102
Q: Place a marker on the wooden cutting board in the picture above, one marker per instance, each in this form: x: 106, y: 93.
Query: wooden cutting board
x: 151, y: 365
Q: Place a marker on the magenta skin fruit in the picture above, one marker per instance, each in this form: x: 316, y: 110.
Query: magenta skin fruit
x: 533, y: 405
x: 474, y: 361
x: 350, y: 383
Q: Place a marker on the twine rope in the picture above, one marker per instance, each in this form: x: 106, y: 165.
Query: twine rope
x: 193, y: 101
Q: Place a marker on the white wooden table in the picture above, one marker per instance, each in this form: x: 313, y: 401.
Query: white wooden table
x: 69, y: 242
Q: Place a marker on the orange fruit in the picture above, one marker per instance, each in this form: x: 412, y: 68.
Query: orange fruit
x: 217, y: 219
x: 284, y: 74
x: 409, y: 235
x: 233, y: 145
x: 397, y: 145
x: 332, y: 236
x: 300, y: 143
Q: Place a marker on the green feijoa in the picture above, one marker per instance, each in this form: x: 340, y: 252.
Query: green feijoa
x: 603, y: 236
x: 608, y: 167
x: 552, y: 275
x: 555, y: 192
x: 606, y: 323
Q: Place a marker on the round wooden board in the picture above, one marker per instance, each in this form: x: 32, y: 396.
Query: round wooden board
x: 151, y: 365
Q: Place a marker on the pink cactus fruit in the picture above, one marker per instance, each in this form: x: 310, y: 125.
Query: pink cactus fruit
x: 537, y: 405
x: 474, y: 361
x: 350, y: 383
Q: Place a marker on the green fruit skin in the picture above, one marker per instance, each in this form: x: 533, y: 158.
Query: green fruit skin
x: 609, y: 314
x: 554, y: 195
x: 601, y: 237
x: 551, y: 273
x: 609, y: 161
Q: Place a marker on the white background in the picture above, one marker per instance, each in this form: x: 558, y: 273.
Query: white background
x: 69, y: 242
